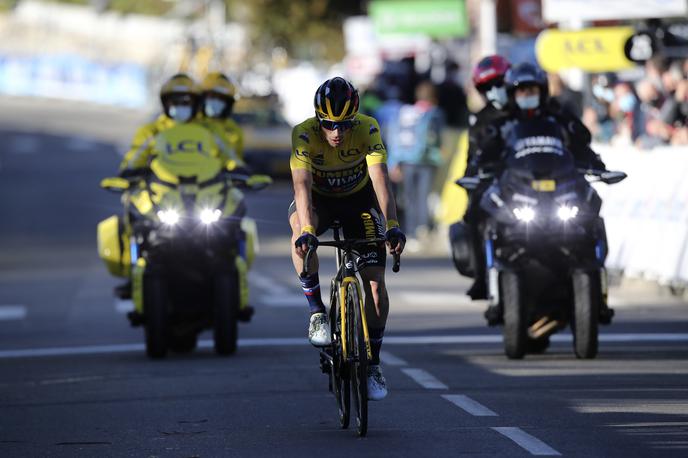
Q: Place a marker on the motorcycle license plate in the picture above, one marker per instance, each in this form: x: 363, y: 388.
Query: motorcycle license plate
x: 544, y: 185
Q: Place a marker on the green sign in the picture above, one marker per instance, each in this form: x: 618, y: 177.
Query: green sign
x: 436, y: 18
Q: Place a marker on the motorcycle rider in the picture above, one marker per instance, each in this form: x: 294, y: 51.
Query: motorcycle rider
x: 528, y: 98
x: 488, y: 79
x: 218, y: 95
x: 180, y: 97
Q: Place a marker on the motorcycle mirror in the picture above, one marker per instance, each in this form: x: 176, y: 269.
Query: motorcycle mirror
x: 468, y: 183
x: 115, y: 184
x: 612, y: 177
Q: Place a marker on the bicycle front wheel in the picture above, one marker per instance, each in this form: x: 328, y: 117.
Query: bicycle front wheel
x: 359, y: 357
x: 338, y: 369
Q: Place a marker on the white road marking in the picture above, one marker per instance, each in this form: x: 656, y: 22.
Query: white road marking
x: 471, y: 406
x: 299, y: 341
x: 391, y: 360
x: 530, y: 443
x: 435, y: 298
x: 81, y: 144
x: 290, y: 300
x: 124, y: 306
x: 12, y: 312
x: 266, y: 284
x: 424, y: 378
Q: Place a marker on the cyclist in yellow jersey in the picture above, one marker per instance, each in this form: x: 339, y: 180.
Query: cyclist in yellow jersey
x: 339, y: 173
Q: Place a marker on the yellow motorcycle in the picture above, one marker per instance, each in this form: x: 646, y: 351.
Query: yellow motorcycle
x: 184, y: 242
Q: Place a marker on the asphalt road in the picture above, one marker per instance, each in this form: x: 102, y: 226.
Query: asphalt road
x: 74, y: 380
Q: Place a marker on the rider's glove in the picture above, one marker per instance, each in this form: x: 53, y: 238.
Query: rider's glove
x: 307, y: 238
x: 394, y: 235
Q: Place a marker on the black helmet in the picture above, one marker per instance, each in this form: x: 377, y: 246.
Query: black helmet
x: 336, y: 100
x: 526, y: 74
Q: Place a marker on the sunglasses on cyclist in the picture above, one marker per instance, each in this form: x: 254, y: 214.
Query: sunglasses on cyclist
x: 332, y: 125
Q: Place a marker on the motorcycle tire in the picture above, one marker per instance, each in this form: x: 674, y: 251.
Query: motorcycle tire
x: 226, y: 308
x: 156, y: 316
x: 587, y: 301
x: 514, y: 332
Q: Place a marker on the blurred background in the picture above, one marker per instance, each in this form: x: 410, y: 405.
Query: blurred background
x: 78, y: 77
x: 93, y: 68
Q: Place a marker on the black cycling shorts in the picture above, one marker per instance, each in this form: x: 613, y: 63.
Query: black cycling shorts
x: 359, y: 216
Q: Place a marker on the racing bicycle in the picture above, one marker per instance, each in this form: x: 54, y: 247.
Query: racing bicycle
x: 345, y: 360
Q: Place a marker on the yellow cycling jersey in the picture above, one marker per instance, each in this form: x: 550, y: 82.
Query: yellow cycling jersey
x: 342, y: 170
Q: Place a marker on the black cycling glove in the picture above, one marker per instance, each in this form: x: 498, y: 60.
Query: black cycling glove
x: 394, y: 235
x: 307, y: 239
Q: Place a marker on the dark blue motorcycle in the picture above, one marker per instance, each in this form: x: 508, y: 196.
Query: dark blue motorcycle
x: 544, y: 240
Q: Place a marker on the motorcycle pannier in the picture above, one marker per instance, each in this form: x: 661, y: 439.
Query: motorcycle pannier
x: 113, y: 247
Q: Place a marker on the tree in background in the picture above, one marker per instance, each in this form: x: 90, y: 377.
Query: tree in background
x: 306, y: 29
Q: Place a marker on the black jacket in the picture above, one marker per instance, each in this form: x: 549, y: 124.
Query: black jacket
x: 490, y: 140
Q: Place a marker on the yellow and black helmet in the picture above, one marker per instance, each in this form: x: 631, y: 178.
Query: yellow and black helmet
x: 218, y: 83
x: 336, y: 100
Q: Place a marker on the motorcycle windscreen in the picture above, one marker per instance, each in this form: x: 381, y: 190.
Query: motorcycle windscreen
x: 185, y: 150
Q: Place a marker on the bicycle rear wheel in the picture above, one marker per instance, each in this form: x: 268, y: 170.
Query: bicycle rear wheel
x: 338, y: 372
x: 359, y: 359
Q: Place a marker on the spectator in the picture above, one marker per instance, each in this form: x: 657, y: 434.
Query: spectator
x: 652, y: 130
x: 570, y: 100
x: 414, y: 155
x: 452, y: 98
x: 596, y: 117
x: 625, y: 110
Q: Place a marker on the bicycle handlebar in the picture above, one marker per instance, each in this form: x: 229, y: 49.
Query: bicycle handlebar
x: 346, y: 245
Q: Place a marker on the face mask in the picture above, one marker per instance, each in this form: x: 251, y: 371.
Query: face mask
x: 180, y: 113
x: 214, y: 107
x: 497, y: 97
x: 603, y: 93
x: 529, y: 102
x: 627, y: 103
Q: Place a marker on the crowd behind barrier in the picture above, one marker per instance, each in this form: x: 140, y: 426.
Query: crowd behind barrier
x: 649, y: 112
x: 646, y: 215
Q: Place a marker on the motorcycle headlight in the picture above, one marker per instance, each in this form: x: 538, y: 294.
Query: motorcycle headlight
x: 566, y: 212
x: 209, y: 216
x: 525, y: 214
x: 169, y: 216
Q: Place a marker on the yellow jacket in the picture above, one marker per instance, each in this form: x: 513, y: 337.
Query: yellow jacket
x: 229, y: 138
x: 227, y: 135
x: 141, y: 149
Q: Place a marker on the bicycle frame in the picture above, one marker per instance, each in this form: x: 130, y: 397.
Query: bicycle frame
x: 346, y: 275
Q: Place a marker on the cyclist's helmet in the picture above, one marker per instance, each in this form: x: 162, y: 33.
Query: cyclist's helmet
x: 489, y: 72
x: 526, y: 74
x: 218, y: 89
x: 179, y: 89
x: 336, y: 100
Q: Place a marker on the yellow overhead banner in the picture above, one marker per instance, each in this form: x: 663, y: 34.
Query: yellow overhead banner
x: 598, y: 49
